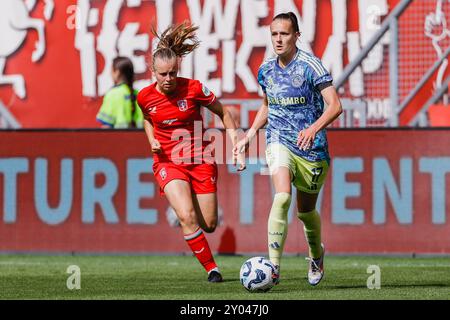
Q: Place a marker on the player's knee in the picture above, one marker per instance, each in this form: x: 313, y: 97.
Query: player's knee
x: 186, y: 217
x: 282, y: 200
x: 210, y: 228
x: 210, y: 225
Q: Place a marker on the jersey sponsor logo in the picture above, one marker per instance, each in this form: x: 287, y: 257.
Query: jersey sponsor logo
x: 170, y: 121
x: 286, y: 101
x: 163, y: 173
x: 206, y: 91
x: 182, y: 105
x: 213, y: 180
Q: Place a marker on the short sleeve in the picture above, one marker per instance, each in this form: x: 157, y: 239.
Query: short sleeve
x: 203, y: 95
x: 320, y: 75
x: 138, y: 116
x: 261, y: 80
x: 139, y: 104
x: 106, y: 114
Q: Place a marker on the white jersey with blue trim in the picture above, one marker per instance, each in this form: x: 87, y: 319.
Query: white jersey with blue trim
x: 295, y: 102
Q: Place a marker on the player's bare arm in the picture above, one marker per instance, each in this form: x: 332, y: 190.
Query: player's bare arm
x: 154, y: 143
x: 259, y: 122
x: 306, y: 136
x: 230, y: 126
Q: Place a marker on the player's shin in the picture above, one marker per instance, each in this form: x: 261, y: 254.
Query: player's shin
x: 278, y: 226
x: 312, y: 229
x: 200, y: 247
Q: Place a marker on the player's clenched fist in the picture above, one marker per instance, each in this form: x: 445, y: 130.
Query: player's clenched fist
x: 156, y: 146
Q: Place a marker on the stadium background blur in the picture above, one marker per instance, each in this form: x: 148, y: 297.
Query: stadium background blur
x: 68, y: 187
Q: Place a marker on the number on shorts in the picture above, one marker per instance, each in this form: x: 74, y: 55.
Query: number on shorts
x: 316, y: 174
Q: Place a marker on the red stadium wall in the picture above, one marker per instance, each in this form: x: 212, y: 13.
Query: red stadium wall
x: 93, y: 191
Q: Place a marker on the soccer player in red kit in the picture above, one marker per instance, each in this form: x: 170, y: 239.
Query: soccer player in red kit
x: 174, y: 127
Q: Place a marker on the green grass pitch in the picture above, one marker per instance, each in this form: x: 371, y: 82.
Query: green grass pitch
x: 182, y: 277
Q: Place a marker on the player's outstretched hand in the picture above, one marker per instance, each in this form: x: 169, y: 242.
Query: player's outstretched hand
x: 241, y: 146
x: 156, y: 146
x: 240, y: 159
x: 239, y: 153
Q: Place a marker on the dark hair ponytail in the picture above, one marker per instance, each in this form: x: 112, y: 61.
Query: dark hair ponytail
x: 291, y: 17
x: 126, y: 70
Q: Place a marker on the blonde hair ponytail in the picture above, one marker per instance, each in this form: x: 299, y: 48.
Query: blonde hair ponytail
x: 176, y: 41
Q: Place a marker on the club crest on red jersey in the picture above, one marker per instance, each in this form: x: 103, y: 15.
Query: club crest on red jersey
x: 163, y: 173
x: 182, y: 105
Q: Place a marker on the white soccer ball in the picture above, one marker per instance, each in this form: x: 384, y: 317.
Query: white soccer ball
x: 256, y: 274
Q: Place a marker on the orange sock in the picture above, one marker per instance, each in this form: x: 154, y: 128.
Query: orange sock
x: 200, y: 247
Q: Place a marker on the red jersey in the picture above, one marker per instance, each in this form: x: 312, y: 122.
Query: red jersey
x: 177, y: 120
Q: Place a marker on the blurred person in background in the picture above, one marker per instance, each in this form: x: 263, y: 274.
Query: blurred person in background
x: 119, y: 109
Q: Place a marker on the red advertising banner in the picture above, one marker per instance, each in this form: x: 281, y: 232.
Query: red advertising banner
x: 93, y: 191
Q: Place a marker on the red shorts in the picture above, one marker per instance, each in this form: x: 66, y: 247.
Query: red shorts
x: 201, y: 177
